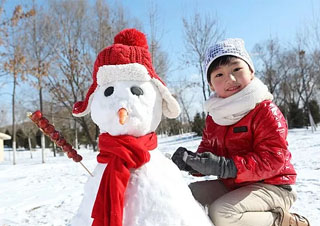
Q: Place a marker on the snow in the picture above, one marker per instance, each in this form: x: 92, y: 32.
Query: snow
x: 32, y: 193
x: 152, y: 197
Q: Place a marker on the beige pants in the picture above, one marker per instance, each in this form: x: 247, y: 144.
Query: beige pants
x: 252, y: 205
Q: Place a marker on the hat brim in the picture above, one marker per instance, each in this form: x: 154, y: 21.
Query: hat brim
x: 134, y: 72
x: 229, y: 54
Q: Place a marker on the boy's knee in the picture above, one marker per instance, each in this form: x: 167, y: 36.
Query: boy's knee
x: 213, y: 211
x: 221, y: 213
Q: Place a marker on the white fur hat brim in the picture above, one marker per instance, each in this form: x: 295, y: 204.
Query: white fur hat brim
x: 137, y: 72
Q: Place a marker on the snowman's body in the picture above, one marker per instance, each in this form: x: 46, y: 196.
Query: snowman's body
x: 157, y: 195
x: 128, y: 98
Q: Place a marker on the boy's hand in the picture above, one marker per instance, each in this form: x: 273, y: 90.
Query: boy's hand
x: 210, y: 164
x: 179, y: 158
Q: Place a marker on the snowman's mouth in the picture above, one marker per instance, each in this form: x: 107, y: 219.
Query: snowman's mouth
x: 123, y: 115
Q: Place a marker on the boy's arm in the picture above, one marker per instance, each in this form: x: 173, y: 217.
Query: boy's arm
x: 210, y: 164
x: 269, y: 147
x: 179, y: 154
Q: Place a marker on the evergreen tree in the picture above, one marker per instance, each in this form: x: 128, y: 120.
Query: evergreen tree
x: 198, y: 123
x: 175, y: 127
x: 296, y: 116
x: 315, y: 111
x: 22, y: 139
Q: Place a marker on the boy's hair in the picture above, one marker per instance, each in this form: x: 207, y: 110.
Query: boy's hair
x: 220, y: 61
x: 228, y: 47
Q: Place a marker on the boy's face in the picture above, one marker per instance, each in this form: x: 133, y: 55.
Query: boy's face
x: 229, y: 79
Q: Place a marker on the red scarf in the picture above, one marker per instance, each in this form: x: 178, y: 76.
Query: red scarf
x: 121, y: 153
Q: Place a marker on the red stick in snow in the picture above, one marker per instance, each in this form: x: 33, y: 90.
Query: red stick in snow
x: 50, y: 131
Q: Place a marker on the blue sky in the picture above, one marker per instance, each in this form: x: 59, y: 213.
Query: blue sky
x: 252, y: 20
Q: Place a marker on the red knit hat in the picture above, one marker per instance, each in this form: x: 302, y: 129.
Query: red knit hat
x: 127, y: 59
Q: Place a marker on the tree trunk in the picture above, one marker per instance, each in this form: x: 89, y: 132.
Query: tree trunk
x: 42, y: 147
x: 30, y: 147
x: 97, y: 132
x: 204, y: 85
x: 43, y: 141
x: 54, y: 149
x: 76, y: 135
x: 186, y: 110
x: 14, y: 119
x: 86, y: 130
x: 54, y: 144
x: 312, y: 124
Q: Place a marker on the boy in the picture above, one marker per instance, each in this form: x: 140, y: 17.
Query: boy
x: 244, y: 144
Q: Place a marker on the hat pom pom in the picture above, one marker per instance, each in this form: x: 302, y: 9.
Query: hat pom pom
x: 131, y: 37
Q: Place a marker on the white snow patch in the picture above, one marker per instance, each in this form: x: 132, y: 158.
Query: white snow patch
x: 32, y: 193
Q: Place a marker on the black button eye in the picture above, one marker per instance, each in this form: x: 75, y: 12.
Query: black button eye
x: 108, y: 91
x: 135, y: 90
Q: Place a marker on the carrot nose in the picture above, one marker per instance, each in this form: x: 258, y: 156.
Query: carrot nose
x: 123, y: 115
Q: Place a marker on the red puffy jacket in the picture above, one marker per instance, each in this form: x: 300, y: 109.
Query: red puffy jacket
x: 257, y: 144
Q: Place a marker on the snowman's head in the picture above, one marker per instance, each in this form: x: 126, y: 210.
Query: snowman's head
x: 127, y: 96
x: 127, y: 107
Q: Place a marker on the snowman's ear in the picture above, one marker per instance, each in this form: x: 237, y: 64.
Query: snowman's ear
x: 170, y: 106
x: 82, y: 108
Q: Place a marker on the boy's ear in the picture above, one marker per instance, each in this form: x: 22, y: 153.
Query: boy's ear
x: 210, y: 83
x: 211, y: 86
x: 252, y: 75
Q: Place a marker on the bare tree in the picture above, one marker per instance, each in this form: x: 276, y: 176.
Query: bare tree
x: 199, y: 34
x: 276, y: 64
x: 70, y: 78
x: 26, y: 126
x: 14, y: 66
x: 158, y: 56
x: 108, y: 21
x: 3, y: 118
x: 14, y: 43
x: 285, y: 93
x: 305, y: 74
x: 269, y: 53
x: 291, y: 75
x: 183, y: 91
x: 120, y: 19
x: 40, y: 54
x: 83, y: 31
x: 308, y: 79
x: 314, y: 28
x: 100, y: 36
x: 316, y: 64
x: 4, y: 22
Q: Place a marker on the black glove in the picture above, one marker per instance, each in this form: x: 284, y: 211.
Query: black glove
x: 209, y: 164
x: 178, y: 156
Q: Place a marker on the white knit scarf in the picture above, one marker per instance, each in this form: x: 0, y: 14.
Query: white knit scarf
x: 228, y: 111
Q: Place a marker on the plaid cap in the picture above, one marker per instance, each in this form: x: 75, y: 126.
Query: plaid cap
x: 230, y: 46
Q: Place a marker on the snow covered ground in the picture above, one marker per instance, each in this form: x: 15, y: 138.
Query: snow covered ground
x: 32, y: 193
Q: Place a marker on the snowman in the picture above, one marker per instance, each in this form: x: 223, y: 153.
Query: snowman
x: 133, y: 184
